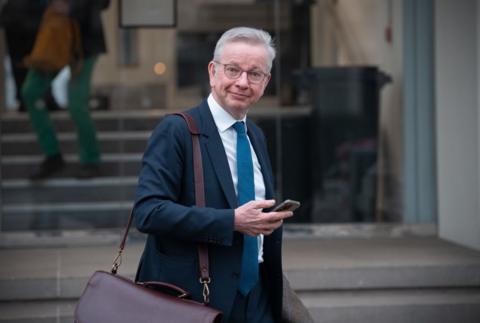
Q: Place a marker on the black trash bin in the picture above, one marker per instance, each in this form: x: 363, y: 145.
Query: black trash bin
x: 344, y: 127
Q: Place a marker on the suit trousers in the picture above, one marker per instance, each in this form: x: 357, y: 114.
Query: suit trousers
x: 254, y: 307
x: 33, y: 90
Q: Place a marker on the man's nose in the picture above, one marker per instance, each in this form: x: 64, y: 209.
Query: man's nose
x: 243, y: 79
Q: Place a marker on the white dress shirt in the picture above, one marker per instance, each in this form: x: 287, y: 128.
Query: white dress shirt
x: 224, y: 122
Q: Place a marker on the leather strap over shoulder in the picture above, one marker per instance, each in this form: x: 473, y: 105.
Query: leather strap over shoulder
x: 197, y: 159
x: 192, y: 126
x: 199, y: 201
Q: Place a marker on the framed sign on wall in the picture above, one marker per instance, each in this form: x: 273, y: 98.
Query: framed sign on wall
x: 147, y: 13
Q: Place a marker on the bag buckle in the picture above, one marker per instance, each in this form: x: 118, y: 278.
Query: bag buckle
x: 117, y: 262
x: 206, y: 290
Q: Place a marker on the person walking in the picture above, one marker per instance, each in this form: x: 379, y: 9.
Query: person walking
x: 88, y: 15
x: 20, y: 20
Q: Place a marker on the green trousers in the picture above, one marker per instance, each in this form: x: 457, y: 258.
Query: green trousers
x: 35, y: 86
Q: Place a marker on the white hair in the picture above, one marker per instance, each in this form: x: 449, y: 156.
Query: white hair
x: 248, y: 35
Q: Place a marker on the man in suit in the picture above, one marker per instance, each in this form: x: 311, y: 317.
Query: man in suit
x: 246, y: 281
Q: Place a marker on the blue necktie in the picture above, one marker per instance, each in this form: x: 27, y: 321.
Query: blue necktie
x: 246, y: 193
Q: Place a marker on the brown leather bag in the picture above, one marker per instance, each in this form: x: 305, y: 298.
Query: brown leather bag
x: 112, y: 298
x: 57, y: 44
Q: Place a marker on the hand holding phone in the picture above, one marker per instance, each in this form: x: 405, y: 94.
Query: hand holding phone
x: 287, y: 205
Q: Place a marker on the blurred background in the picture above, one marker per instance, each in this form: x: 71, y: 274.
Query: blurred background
x: 362, y: 116
x: 356, y: 113
x: 335, y: 98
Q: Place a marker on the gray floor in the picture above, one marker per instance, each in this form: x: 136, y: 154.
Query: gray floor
x: 299, y: 254
x: 407, y: 279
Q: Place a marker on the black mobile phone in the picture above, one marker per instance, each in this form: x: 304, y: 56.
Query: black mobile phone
x: 287, y: 205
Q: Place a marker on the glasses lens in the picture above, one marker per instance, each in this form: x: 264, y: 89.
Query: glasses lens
x: 255, y: 76
x: 232, y: 71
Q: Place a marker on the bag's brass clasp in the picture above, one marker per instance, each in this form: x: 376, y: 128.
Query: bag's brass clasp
x: 117, y: 262
x: 206, y: 290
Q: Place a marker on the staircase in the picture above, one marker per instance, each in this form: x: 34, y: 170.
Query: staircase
x: 66, y: 203
x: 63, y: 202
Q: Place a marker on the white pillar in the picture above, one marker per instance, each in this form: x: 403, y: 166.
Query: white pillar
x: 457, y: 48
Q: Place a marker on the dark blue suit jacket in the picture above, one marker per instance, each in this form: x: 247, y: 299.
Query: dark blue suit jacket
x: 165, y: 209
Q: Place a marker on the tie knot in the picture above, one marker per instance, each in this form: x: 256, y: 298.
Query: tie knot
x: 239, y: 126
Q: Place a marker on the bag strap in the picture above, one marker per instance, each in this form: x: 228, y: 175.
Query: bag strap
x: 199, y: 201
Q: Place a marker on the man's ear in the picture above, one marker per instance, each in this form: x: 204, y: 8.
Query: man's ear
x: 211, y: 68
x: 211, y: 72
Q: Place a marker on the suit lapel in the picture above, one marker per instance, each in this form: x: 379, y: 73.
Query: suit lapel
x: 262, y: 159
x: 218, y: 159
x: 216, y: 154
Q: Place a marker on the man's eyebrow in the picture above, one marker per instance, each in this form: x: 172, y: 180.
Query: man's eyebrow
x: 255, y: 68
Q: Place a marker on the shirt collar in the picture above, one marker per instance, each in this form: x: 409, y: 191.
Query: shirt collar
x: 223, y: 119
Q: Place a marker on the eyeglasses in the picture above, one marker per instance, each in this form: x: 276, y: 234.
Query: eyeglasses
x: 233, y: 72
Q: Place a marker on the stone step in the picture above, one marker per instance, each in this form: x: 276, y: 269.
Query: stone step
x: 310, y: 265
x: 66, y: 203
x: 48, y: 287
x: 395, y: 306
x: 50, y: 311
x: 386, y: 276
x: 400, y: 306
x: 66, y: 216
x: 291, y: 231
x: 136, y: 120
x: 352, y: 264
x: 102, y: 189
x: 30, y: 274
x: 19, y: 167
x: 48, y: 239
x: 133, y: 120
x: 14, y: 123
x: 110, y: 142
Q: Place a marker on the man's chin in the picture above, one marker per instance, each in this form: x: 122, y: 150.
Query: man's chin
x: 239, y: 104
x: 238, y: 110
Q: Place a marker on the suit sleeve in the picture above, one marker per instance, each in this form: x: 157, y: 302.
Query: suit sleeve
x: 163, y: 206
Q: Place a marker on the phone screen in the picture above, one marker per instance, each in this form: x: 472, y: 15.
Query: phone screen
x: 287, y: 205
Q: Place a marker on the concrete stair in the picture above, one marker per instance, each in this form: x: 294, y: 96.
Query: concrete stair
x: 377, y: 280
x: 385, y: 280
x: 63, y: 202
x: 67, y: 203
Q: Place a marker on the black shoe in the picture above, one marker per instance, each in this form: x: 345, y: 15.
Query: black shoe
x: 50, y: 166
x: 88, y: 171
